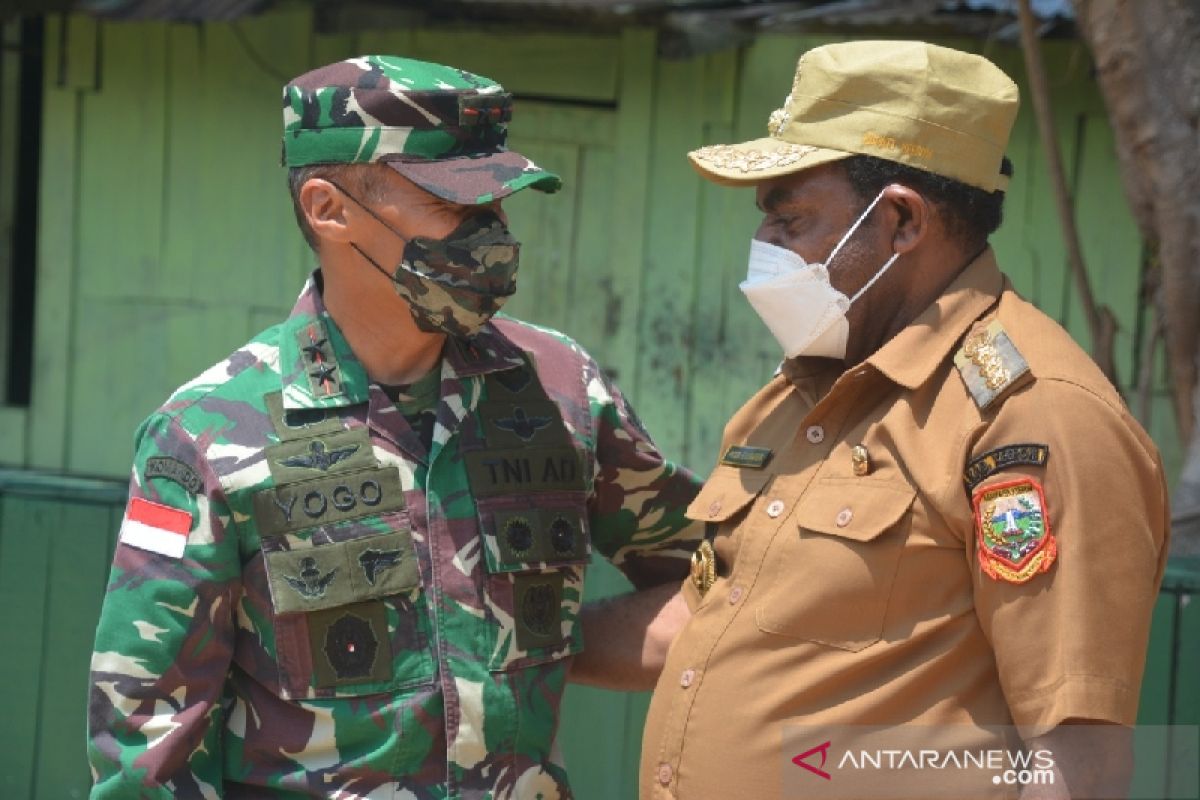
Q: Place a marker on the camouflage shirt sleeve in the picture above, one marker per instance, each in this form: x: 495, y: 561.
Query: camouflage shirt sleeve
x: 639, y: 498
x: 165, y: 638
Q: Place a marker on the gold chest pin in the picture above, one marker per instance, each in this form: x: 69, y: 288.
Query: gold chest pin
x: 704, y: 567
x: 861, y: 460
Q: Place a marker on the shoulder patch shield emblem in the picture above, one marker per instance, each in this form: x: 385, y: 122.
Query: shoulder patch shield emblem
x: 1014, y: 541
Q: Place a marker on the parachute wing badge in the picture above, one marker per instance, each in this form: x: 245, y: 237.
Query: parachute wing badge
x: 521, y: 424
x: 318, y: 457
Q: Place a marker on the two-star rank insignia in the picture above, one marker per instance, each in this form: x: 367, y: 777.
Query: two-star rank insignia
x: 1014, y: 542
x: 318, y: 457
x: 310, y: 583
x: 523, y: 425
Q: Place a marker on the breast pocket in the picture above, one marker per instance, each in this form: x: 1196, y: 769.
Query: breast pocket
x: 536, y: 552
x: 348, y: 614
x: 828, y: 578
x: 723, y: 501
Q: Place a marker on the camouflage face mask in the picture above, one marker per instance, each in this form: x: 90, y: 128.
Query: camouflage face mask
x: 456, y: 284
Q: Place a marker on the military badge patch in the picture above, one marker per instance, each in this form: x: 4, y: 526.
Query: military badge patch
x: 1013, y: 531
x: 993, y: 461
x: 173, y: 470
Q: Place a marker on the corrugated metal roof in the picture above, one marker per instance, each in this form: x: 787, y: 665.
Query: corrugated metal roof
x: 181, y: 10
x: 854, y: 12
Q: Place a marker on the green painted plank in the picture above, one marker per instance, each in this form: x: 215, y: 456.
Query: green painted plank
x: 13, y: 424
x: 573, y: 66
x: 122, y: 128
x: 622, y: 300
x: 561, y: 123
x: 390, y: 41
x: 1110, y: 240
x: 668, y: 279
x: 1187, y: 667
x: 78, y: 574
x: 10, y: 85
x: 160, y: 347
x: 229, y: 228
x: 78, y: 69
x: 1154, y: 706
x: 24, y: 564
x: 57, y: 250
x: 732, y: 352
x: 593, y: 269
x: 545, y: 226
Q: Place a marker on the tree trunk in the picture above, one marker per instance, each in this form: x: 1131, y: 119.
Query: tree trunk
x: 1148, y: 67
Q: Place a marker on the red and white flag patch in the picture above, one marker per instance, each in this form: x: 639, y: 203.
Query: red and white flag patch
x: 155, y: 527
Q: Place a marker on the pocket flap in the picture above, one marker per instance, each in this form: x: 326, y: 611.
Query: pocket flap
x: 854, y: 508
x: 726, y: 492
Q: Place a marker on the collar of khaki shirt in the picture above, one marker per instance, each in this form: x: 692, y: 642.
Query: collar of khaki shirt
x: 910, y: 357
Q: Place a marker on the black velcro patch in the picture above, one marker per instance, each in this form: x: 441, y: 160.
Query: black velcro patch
x: 1002, y: 458
x: 173, y: 470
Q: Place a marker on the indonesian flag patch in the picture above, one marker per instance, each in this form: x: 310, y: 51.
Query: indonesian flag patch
x: 155, y: 527
x: 1013, y: 528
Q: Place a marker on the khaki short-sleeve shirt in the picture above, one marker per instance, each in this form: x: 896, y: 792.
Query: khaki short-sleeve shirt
x: 914, y: 552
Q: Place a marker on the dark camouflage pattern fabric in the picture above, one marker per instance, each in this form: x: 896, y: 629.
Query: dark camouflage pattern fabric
x: 443, y: 128
x: 356, y: 615
x: 458, y: 283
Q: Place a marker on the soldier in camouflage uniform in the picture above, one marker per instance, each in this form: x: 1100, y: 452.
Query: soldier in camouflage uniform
x: 353, y: 558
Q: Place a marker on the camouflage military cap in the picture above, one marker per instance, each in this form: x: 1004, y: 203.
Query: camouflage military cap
x: 442, y: 128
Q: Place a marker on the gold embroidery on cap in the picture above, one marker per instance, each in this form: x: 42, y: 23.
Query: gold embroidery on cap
x: 779, y: 118
x: 725, y: 156
x: 872, y: 139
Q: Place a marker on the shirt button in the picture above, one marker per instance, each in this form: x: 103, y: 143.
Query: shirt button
x: 735, y: 594
x: 714, y: 508
x: 844, y: 516
x: 685, y: 680
x: 775, y: 509
x: 664, y: 774
x: 815, y: 434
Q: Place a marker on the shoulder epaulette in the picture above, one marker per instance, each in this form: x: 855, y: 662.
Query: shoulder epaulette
x: 989, y: 363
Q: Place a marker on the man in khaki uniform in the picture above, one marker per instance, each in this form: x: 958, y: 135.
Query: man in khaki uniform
x: 938, y: 512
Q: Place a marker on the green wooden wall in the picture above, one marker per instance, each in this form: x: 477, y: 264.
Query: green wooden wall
x: 166, y: 240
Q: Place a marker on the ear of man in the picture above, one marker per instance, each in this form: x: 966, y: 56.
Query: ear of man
x: 911, y: 217
x: 326, y: 210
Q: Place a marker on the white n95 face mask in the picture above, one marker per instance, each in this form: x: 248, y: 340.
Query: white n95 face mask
x: 796, y: 300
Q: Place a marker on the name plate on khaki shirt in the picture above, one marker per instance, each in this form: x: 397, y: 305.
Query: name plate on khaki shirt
x: 743, y: 456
